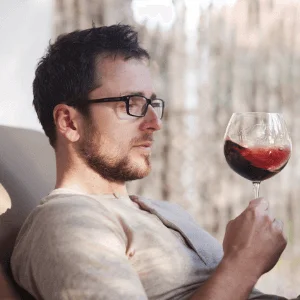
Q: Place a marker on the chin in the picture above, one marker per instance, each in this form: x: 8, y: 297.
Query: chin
x: 142, y: 168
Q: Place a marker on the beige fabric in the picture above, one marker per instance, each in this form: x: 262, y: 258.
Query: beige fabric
x: 5, y: 201
x: 77, y: 246
x: 27, y: 172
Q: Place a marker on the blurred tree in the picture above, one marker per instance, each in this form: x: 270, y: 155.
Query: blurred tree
x: 79, y: 14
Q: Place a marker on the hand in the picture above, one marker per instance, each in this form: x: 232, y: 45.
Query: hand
x: 254, y: 240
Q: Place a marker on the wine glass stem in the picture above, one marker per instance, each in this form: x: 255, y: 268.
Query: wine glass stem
x: 256, y: 188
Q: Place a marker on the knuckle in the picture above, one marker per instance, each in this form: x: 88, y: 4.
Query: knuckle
x: 284, y: 239
x: 283, y: 242
x: 228, y: 224
x: 268, y: 219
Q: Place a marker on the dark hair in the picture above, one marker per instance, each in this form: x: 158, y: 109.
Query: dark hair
x: 66, y: 73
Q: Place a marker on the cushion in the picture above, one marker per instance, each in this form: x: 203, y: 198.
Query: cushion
x: 27, y: 174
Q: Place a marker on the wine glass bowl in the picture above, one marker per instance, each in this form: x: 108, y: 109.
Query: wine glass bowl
x: 257, y: 145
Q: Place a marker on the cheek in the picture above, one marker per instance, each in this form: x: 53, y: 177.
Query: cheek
x: 115, y: 136
x: 119, y: 141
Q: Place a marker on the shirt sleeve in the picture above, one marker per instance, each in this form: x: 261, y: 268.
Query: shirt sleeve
x: 75, y: 251
x: 257, y: 295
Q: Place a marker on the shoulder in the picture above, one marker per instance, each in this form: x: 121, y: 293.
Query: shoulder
x: 62, y: 207
x: 66, y: 236
x: 69, y: 201
x: 62, y: 217
x: 68, y: 222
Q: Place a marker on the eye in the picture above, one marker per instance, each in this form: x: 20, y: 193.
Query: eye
x: 136, y: 101
x: 132, y: 104
x: 121, y: 105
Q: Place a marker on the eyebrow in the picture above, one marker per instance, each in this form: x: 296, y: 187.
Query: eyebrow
x: 153, y: 96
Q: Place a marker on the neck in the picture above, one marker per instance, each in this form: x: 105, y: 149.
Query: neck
x: 75, y: 175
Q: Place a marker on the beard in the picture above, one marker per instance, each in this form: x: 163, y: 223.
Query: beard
x: 111, y: 164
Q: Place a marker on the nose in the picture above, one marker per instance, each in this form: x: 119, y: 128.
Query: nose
x: 151, y: 121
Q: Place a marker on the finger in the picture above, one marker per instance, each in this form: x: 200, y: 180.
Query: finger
x: 278, y: 224
x: 256, y: 201
x: 228, y: 224
x: 271, y: 216
x: 260, y: 203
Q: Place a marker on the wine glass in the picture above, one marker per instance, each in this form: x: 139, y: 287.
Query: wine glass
x: 257, y: 145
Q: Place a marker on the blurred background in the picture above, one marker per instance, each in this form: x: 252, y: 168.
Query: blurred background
x: 209, y: 59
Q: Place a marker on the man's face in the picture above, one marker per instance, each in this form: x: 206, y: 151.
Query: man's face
x: 115, y: 145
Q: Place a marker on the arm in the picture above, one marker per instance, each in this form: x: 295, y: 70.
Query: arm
x: 252, y: 246
x: 228, y: 282
x: 75, y: 250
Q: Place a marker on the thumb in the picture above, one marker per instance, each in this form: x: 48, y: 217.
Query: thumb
x: 261, y: 203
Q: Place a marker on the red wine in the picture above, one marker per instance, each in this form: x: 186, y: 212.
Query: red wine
x: 256, y: 164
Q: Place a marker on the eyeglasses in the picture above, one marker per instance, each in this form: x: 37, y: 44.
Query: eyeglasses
x: 136, y: 105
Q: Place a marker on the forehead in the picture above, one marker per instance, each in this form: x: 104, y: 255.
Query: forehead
x: 116, y: 76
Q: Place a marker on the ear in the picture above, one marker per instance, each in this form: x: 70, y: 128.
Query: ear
x: 67, y: 121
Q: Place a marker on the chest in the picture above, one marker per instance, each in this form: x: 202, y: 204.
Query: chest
x: 162, y: 257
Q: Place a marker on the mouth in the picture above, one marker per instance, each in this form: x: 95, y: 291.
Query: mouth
x: 144, y: 147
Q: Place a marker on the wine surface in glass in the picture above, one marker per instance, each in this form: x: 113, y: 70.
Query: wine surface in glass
x: 257, y: 163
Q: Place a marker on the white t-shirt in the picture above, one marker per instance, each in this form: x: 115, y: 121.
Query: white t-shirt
x: 78, y: 246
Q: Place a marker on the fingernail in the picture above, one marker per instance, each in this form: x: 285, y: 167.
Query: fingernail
x: 256, y: 201
x: 260, y: 202
x: 264, y: 203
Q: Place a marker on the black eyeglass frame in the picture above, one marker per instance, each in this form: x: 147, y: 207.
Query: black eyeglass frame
x: 126, y: 100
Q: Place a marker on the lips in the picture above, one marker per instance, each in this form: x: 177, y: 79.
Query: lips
x: 145, y: 144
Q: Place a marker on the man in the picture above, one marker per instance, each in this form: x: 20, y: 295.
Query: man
x: 88, y: 239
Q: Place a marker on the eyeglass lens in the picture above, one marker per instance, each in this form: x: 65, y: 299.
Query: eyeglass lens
x: 138, y: 106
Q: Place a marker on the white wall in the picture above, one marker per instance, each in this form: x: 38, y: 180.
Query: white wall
x: 25, y: 31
